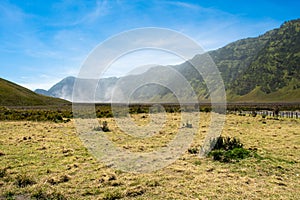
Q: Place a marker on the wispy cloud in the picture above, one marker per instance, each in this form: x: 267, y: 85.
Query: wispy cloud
x: 11, y: 14
x: 102, y: 8
x: 85, y: 15
x: 184, y: 5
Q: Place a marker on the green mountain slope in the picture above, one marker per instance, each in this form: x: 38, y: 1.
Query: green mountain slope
x: 277, y: 65
x: 236, y: 57
x: 261, y: 69
x: 12, y: 94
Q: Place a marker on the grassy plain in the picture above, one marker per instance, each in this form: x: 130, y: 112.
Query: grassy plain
x: 47, y: 160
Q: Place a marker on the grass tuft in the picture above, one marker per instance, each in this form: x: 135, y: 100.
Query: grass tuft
x: 112, y: 195
x: 24, y: 180
x: 42, y: 194
x: 3, y: 172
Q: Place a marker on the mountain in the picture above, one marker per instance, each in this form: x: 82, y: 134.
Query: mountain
x: 43, y: 92
x: 64, y: 88
x: 276, y: 67
x: 260, y: 69
x: 12, y: 94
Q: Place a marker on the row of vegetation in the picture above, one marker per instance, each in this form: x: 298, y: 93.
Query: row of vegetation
x: 64, y: 114
x: 57, y: 116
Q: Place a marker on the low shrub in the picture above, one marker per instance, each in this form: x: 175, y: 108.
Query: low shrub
x: 227, y: 143
x: 228, y: 150
x: 235, y: 154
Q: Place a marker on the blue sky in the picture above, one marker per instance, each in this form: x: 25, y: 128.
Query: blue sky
x: 44, y: 41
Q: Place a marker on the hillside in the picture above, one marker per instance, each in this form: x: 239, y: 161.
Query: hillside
x: 276, y: 66
x: 260, y: 69
x: 12, y: 94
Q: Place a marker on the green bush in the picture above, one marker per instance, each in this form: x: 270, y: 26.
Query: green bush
x: 229, y: 149
x: 235, y: 154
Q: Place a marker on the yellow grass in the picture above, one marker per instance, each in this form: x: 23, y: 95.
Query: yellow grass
x: 54, y: 159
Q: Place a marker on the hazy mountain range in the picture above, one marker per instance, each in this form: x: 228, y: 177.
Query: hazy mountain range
x: 260, y: 69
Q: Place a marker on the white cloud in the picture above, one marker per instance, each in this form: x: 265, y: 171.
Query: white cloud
x: 40, y: 83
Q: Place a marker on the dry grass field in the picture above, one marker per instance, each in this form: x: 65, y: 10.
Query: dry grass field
x: 47, y: 160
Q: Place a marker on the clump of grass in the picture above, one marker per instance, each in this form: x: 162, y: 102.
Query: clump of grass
x: 193, y: 150
x: 42, y: 194
x: 62, y: 179
x: 197, y: 162
x: 3, y: 172
x: 23, y: 180
x: 229, y: 149
x: 103, y: 128
x: 112, y: 195
x: 9, y: 195
x: 188, y: 125
x: 254, y: 113
x: 134, y: 192
x: 153, y: 183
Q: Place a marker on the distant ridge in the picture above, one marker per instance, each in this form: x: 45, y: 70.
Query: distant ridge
x: 12, y: 94
x: 64, y: 88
